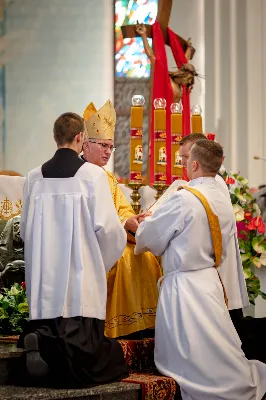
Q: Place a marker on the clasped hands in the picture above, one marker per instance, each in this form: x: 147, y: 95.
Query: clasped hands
x: 133, y: 222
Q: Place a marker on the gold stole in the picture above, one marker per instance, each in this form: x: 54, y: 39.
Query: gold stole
x: 216, y: 233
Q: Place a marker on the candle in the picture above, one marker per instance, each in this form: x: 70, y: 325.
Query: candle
x: 136, y: 151
x: 160, y: 156
x: 176, y: 136
x: 196, y: 119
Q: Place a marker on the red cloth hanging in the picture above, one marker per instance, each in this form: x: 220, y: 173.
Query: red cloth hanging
x: 162, y: 88
x: 181, y: 59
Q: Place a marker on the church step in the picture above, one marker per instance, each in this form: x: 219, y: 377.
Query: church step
x: 155, y: 386
x: 138, y: 355
x: 114, y: 391
x: 10, y: 361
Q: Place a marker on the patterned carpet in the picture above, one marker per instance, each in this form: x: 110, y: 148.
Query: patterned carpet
x: 139, y: 357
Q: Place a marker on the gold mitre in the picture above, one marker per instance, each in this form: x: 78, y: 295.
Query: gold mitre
x: 100, y: 124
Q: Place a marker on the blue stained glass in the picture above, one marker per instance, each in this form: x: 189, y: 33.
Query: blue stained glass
x: 131, y: 59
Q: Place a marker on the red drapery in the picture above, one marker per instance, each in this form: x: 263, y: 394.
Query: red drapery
x: 162, y: 88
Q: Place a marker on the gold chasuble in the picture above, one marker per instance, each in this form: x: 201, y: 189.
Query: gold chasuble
x: 132, y: 293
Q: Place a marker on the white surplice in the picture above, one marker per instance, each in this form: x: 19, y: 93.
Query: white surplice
x: 195, y: 340
x: 73, y: 237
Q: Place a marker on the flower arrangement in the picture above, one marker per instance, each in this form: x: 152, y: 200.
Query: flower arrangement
x: 13, y: 309
x: 251, y: 228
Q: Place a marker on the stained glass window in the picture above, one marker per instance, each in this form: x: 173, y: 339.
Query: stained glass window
x: 130, y: 58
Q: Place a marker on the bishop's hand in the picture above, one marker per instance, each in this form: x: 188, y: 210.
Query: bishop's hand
x: 133, y: 222
x: 141, y: 217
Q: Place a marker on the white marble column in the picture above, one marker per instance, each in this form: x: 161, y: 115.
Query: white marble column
x: 188, y: 20
x: 256, y: 90
x: 226, y: 93
x: 256, y: 116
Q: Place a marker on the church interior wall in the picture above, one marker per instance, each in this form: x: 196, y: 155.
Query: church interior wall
x: 59, y: 59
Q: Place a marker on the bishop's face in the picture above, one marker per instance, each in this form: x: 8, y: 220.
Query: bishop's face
x: 98, y: 152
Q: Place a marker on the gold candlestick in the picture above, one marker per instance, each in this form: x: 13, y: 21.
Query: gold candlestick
x: 159, y: 140
x: 136, y: 150
x: 160, y: 188
x: 176, y: 136
x: 135, y: 196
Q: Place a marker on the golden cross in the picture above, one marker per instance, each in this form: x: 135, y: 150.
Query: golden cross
x: 7, y: 206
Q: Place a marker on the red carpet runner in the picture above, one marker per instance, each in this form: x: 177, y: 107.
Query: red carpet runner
x: 139, y: 357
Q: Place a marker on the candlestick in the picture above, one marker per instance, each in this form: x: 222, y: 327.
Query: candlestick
x: 135, y: 196
x: 160, y: 156
x: 176, y: 136
x: 196, y: 119
x: 136, y: 150
x: 160, y: 188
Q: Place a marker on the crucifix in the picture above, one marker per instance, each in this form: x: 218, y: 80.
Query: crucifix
x: 145, y: 31
x: 163, y: 17
x: 172, y: 86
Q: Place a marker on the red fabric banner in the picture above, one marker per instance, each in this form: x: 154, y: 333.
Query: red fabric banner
x: 162, y: 89
x: 180, y: 59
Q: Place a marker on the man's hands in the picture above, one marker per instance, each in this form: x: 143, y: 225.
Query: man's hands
x: 143, y: 216
x: 132, y: 223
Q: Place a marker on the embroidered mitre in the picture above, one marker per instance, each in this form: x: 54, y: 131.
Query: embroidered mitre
x: 100, y: 124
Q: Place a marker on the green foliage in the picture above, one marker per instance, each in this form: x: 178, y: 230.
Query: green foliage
x: 14, y: 311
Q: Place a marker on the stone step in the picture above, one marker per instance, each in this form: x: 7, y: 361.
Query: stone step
x: 138, y: 355
x: 114, y: 391
x: 10, y: 360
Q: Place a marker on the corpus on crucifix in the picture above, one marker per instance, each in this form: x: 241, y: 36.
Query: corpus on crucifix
x: 173, y: 86
x: 183, y: 77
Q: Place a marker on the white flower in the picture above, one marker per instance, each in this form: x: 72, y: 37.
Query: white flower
x: 244, y: 182
x: 256, y: 209
x: 241, y: 197
x: 239, y: 212
x: 14, y: 291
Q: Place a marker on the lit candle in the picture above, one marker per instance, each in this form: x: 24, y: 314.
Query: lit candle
x: 176, y: 136
x: 136, y: 150
x: 196, y: 119
x: 160, y: 155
